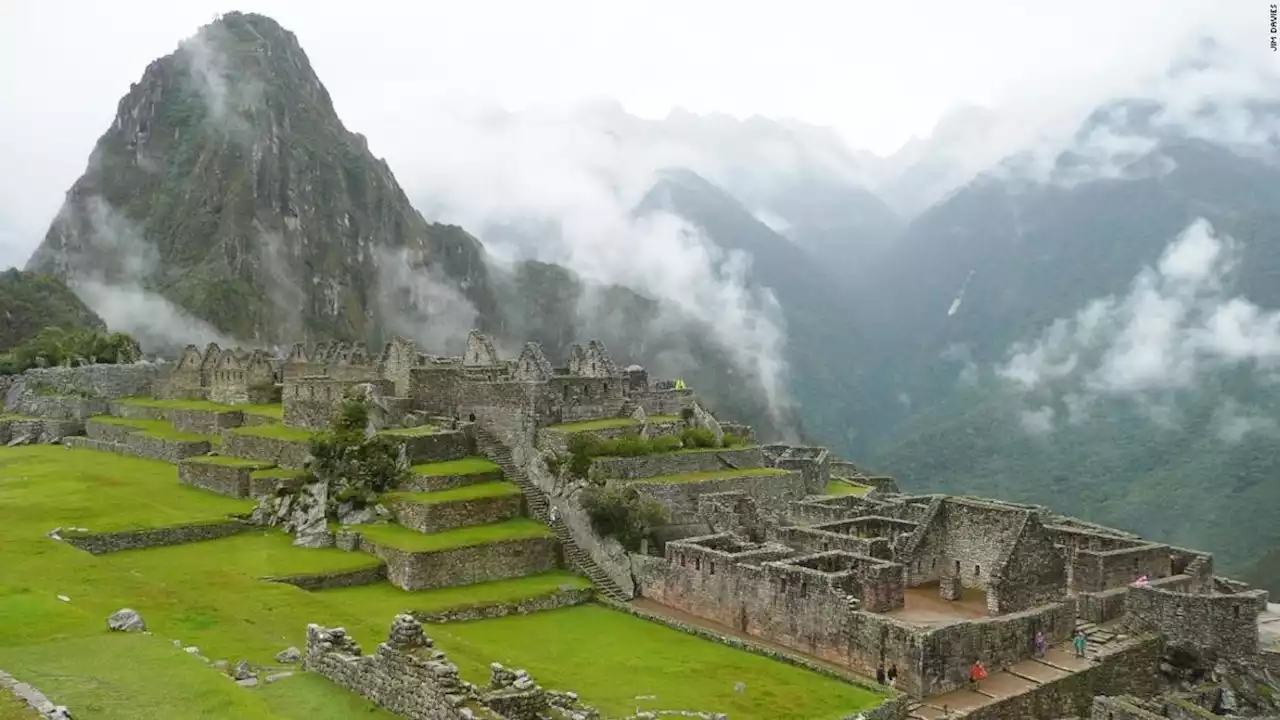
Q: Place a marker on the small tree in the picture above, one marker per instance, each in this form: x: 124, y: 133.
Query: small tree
x: 357, y: 466
x: 619, y: 512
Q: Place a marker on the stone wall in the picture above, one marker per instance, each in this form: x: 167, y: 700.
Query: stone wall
x: 965, y: 539
x: 1031, y: 573
x: 38, y: 430
x: 276, y: 451
x: 437, y: 447
x: 664, y: 402
x: 1098, y: 570
x: 67, y: 407
x: 440, y: 516
x: 229, y: 480
x: 548, y: 601
x: 409, y: 570
x: 203, y: 422
x: 105, y: 381
x: 1120, y: 708
x: 998, y: 641
x: 99, y: 543
x: 772, y: 493
x: 433, y: 483
x: 410, y: 679
x: 1130, y: 670
x: 1216, y: 625
x: 341, y: 578
x: 633, y: 468
x: 576, y: 398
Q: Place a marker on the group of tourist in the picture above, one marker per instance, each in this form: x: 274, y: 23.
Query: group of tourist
x: 889, y: 677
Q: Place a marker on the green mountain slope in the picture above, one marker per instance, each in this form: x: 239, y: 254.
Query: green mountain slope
x: 30, y: 302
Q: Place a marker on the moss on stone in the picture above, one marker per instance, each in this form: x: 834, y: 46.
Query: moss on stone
x: 411, y: 432
x: 402, y: 538
x: 842, y: 487
x: 465, y: 466
x: 478, y: 491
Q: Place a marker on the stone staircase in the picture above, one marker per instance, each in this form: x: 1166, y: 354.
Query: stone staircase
x: 540, y: 508
x: 1059, y: 663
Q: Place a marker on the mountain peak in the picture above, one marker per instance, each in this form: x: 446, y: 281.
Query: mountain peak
x: 228, y: 186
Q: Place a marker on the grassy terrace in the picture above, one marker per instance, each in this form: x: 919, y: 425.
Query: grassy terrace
x: 384, y: 599
x: 465, y: 466
x: 402, y: 538
x: 154, y: 428
x: 11, y: 708
x: 210, y: 594
x: 684, y: 451
x: 277, y: 472
x: 478, y: 491
x: 226, y: 461
x: 691, y: 477
x: 277, y: 431
x: 272, y: 411
x: 12, y: 416
x: 614, y: 659
x: 410, y: 432
x: 101, y: 491
x: 607, y: 424
x: 840, y: 487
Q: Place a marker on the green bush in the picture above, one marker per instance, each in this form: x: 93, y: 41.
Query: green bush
x: 357, y: 468
x: 54, y: 346
x: 619, y: 512
x: 698, y: 438
x: 730, y: 440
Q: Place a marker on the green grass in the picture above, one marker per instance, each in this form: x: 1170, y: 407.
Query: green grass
x: 154, y: 428
x: 612, y: 658
x: 402, y: 538
x: 690, y: 477
x: 465, y: 466
x: 211, y: 595
x: 100, y: 491
x: 12, y: 416
x: 410, y: 432
x: 230, y: 461
x: 478, y: 491
x: 275, y: 410
x: 607, y: 424
x: 589, y: 425
x: 683, y: 451
x: 277, y: 431
x: 277, y: 472
x: 385, y: 600
x: 11, y: 708
x: 840, y: 487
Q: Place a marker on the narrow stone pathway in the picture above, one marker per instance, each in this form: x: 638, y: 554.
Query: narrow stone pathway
x: 1059, y: 662
x: 539, y: 507
x: 35, y: 699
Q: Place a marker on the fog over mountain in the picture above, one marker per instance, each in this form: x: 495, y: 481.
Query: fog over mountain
x: 962, y: 248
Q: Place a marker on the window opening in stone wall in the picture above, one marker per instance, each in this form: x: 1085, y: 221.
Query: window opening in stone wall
x: 977, y: 570
x: 825, y: 546
x: 933, y: 564
x: 697, y: 563
x: 782, y: 585
x: 1237, y: 609
x: 804, y: 589
x: 682, y: 561
x: 566, y: 392
x: 606, y: 388
x: 711, y: 566
x: 1135, y: 564
x: 957, y: 567
x: 593, y: 366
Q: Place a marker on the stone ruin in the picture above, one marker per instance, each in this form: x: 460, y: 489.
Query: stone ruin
x: 410, y: 678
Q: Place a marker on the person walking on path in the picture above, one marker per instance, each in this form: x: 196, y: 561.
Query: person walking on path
x: 1080, y: 643
x: 880, y: 673
x: 1040, y: 643
x: 892, y: 675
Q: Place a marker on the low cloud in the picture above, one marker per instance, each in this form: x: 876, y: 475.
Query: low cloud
x: 579, y: 176
x: 107, y: 264
x: 230, y: 95
x: 1177, y: 325
x: 417, y: 301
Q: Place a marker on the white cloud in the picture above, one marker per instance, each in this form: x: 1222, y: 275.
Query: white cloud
x: 1177, y: 324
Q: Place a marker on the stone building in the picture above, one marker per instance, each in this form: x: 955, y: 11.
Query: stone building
x: 227, y: 376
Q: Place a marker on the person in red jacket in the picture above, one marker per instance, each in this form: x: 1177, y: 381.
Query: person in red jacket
x: 976, y: 673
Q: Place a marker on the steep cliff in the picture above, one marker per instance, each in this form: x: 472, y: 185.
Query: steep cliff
x: 228, y: 186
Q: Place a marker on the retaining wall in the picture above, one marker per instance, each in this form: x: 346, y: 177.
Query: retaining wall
x: 409, y: 570
x: 436, y: 517
x: 108, y: 542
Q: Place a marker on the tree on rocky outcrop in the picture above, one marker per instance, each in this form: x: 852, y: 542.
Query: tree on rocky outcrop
x: 54, y: 346
x: 619, y: 512
x: 357, y: 464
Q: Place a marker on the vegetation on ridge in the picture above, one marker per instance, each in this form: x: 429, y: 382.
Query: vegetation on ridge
x: 55, y: 346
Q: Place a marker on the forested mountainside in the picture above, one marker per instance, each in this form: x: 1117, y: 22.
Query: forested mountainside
x: 1177, y: 444
x: 30, y: 302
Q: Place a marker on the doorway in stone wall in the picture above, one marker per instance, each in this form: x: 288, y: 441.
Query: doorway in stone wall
x: 742, y: 619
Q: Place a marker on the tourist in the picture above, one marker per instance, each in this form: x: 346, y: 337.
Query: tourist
x: 555, y: 515
x: 1040, y: 643
x: 471, y: 417
x: 1080, y: 643
x: 976, y: 674
x: 880, y: 673
x: 893, y: 675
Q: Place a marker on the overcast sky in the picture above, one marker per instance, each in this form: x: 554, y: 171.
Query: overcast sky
x: 878, y: 72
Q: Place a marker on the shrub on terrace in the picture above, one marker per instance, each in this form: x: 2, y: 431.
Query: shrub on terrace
x: 619, y: 512
x: 358, y: 466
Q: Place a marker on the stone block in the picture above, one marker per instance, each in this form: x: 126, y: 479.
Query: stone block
x: 949, y: 587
